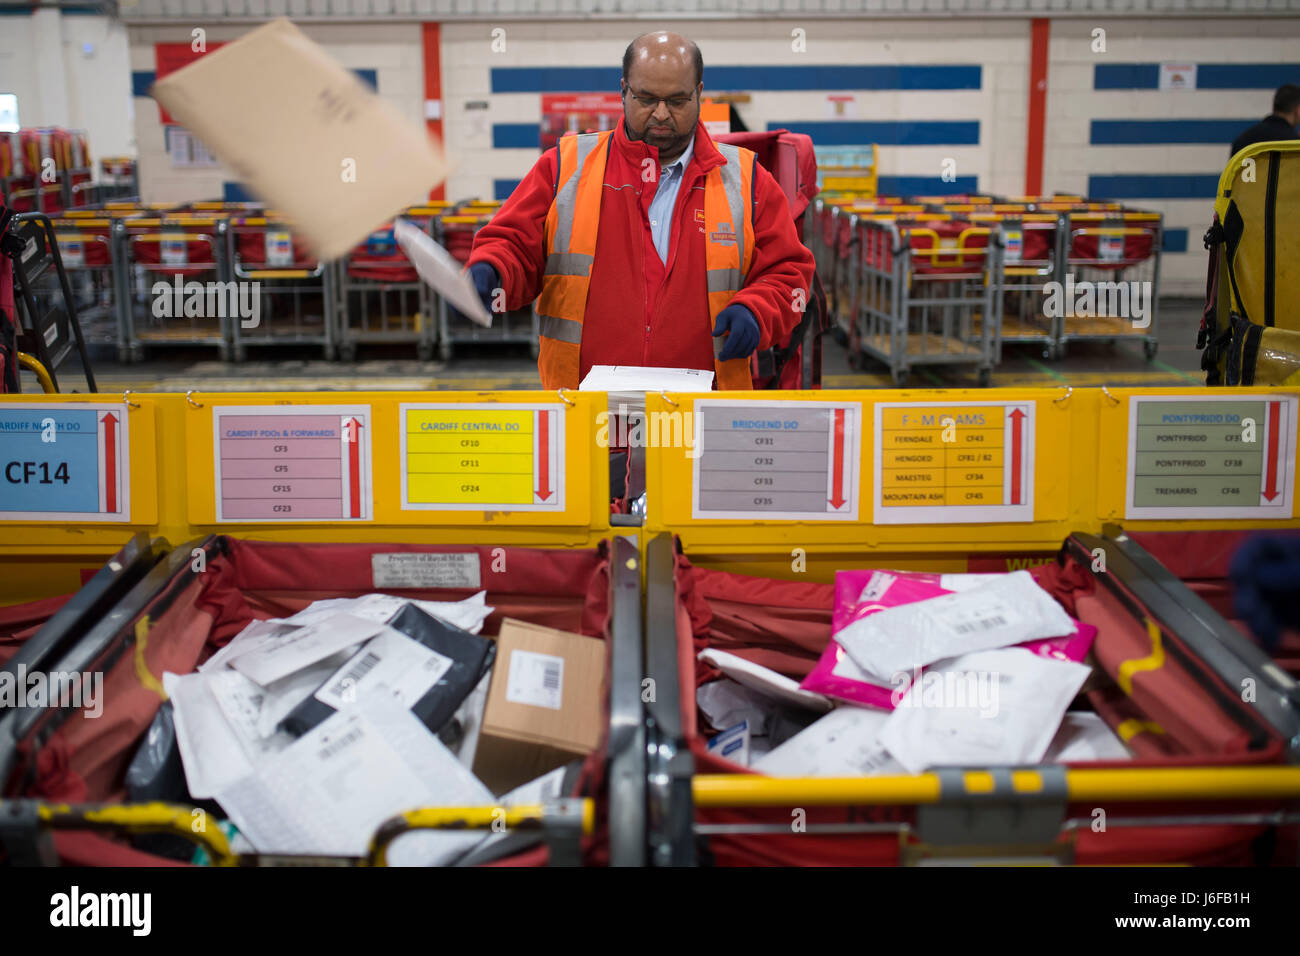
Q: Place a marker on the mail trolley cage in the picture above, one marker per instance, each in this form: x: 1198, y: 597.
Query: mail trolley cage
x: 60, y: 769
x: 1116, y: 252
x: 455, y: 233
x: 292, y: 288
x: 1213, y: 781
x: 380, y: 298
x: 172, y: 250
x: 1027, y: 260
x: 922, y: 288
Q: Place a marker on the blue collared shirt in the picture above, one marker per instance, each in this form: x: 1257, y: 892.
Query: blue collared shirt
x: 665, y: 201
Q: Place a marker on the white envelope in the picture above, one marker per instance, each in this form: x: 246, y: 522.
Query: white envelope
x: 440, y: 269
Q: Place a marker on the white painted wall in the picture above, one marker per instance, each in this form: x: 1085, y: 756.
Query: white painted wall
x: 59, y: 83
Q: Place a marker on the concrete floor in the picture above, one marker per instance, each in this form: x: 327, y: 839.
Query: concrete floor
x: 511, y: 367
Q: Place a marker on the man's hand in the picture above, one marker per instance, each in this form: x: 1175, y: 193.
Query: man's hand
x: 742, y: 325
x: 486, y: 282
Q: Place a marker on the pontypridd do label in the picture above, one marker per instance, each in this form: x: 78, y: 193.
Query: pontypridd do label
x: 1193, y: 456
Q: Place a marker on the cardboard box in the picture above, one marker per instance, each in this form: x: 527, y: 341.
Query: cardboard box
x: 305, y: 134
x: 544, y: 707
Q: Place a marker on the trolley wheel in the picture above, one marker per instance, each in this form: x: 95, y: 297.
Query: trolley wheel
x: 1149, y: 347
x: 444, y: 351
x: 348, y: 352
x: 900, y: 378
x: 1061, y: 349
x: 1050, y: 352
x: 424, y: 351
x: 985, y: 376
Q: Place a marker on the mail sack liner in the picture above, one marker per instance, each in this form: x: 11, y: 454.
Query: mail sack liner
x: 84, y: 759
x: 785, y: 626
x: 18, y: 622
x: 1202, y: 561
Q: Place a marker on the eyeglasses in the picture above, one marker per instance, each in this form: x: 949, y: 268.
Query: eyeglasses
x: 652, y: 102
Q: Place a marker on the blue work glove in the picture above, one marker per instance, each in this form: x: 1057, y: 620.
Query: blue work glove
x: 486, y: 282
x: 742, y: 325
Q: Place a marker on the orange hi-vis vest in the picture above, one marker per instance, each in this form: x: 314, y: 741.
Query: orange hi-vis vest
x: 571, y: 227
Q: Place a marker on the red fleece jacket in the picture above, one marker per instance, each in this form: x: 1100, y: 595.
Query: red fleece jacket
x: 639, y: 311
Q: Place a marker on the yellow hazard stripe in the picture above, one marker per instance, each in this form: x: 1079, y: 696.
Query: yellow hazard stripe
x: 1132, y: 727
x: 1153, y: 661
x: 142, y: 672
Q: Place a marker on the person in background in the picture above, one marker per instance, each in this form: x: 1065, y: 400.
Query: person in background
x: 1281, y: 124
x: 649, y: 244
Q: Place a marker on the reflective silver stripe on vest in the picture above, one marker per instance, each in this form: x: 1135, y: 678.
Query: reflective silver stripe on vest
x: 735, y: 198
x: 562, y: 330
x: 724, y: 280
x: 568, y: 264
x: 719, y: 342
x: 566, y: 201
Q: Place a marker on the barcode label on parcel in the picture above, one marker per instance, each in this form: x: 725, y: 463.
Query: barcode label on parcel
x: 536, y: 679
x: 426, y: 570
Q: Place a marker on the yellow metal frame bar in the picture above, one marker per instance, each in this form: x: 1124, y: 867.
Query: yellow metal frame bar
x: 1119, y: 786
x: 33, y: 365
x: 466, y: 818
x: 197, y: 826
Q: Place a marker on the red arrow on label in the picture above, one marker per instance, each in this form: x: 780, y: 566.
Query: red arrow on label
x: 837, y: 462
x: 543, y: 455
x: 354, y: 464
x: 1017, y: 417
x: 110, y: 462
x: 1274, y: 435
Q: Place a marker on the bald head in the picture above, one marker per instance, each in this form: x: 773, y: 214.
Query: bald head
x: 666, y: 50
x: 661, y: 86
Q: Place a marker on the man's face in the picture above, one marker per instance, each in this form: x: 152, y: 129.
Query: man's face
x: 669, y: 121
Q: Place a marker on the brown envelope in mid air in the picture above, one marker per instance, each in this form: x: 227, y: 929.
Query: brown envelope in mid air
x: 305, y: 134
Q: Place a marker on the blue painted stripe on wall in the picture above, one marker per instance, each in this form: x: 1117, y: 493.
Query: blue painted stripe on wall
x: 369, y: 76
x: 1246, y: 76
x: 1159, y: 186
x: 601, y: 79
x: 1174, y: 240
x: 516, y: 135
x: 925, y: 185
x: 1209, y: 76
x: 141, y: 80
x: 235, y: 192
x: 1126, y: 76
x: 1138, y: 132
x: 502, y: 188
x: 906, y: 133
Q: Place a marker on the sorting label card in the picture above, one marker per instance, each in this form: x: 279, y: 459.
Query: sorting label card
x: 1211, y: 457
x: 467, y: 456
x: 64, y: 463
x: 942, y: 462
x: 782, y: 460
x: 292, y: 462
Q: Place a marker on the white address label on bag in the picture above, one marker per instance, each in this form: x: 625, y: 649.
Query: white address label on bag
x: 417, y: 570
x: 390, y: 664
x: 536, y: 679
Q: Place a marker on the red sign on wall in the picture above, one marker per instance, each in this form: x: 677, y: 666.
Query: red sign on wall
x: 577, y: 113
x: 170, y: 57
